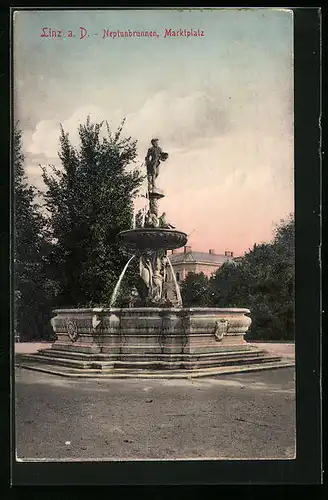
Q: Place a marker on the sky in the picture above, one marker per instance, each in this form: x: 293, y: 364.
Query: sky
x: 221, y: 105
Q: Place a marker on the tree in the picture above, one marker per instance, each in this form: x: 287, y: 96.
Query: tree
x: 262, y: 281
x: 89, y: 201
x: 284, y: 272
x: 194, y: 290
x: 32, y: 289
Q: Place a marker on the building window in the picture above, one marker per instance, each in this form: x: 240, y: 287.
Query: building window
x: 178, y: 276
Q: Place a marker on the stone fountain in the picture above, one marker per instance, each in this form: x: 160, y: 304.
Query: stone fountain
x: 159, y: 337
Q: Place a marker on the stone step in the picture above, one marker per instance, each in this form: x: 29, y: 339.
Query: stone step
x: 54, y: 360
x: 91, y: 358
x: 193, y: 363
x: 160, y: 356
x: 140, y: 348
x: 182, y: 365
x: 156, y: 374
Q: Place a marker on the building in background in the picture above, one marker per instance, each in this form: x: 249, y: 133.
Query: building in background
x: 197, y: 262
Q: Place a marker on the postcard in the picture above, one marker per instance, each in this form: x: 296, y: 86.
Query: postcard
x: 154, y: 267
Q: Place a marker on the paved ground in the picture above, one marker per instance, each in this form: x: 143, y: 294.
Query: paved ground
x: 30, y: 347
x: 246, y: 416
x: 287, y: 350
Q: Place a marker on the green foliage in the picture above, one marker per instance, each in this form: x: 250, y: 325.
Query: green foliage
x: 263, y: 281
x: 89, y: 201
x: 33, y: 290
x: 194, y: 290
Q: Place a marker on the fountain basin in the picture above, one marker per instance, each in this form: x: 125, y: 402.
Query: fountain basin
x: 149, y: 330
x: 150, y: 343
x: 153, y: 238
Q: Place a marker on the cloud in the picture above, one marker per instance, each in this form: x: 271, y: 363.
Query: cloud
x: 45, y: 139
x: 229, y: 174
x: 178, y: 121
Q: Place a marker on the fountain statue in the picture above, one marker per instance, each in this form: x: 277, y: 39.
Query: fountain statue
x: 158, y: 336
x: 153, y: 159
x: 152, y: 241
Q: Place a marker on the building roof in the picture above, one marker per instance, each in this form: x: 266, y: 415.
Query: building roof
x: 203, y: 257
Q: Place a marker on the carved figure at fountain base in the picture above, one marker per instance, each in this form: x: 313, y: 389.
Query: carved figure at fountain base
x: 153, y: 275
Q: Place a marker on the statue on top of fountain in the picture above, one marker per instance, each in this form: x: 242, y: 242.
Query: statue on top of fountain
x: 154, y: 157
x: 152, y: 281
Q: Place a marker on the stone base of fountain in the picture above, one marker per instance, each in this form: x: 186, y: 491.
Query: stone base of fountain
x: 150, y: 342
